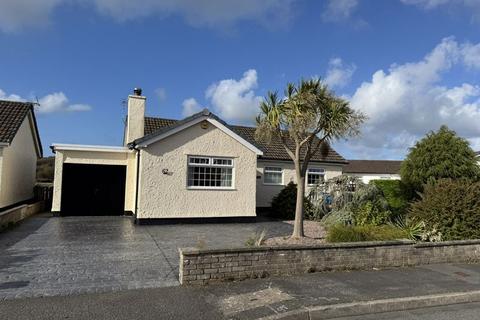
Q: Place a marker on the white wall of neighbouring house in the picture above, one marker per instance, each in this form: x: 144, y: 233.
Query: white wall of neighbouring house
x: 367, y: 177
x: 18, y: 167
x: 166, y: 195
x: 266, y: 192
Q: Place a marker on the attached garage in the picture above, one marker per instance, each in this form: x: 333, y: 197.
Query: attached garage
x: 94, y: 180
x: 92, y: 189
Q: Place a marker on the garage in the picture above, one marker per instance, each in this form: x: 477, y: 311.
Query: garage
x: 93, y: 189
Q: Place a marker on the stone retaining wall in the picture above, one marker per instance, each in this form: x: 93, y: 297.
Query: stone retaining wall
x: 19, y: 213
x: 209, y: 266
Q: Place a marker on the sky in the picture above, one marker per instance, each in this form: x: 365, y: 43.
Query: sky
x: 408, y: 65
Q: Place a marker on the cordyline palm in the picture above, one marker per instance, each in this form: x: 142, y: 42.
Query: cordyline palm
x: 309, y: 117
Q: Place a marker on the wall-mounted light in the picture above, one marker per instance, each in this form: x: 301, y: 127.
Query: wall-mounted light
x: 165, y: 171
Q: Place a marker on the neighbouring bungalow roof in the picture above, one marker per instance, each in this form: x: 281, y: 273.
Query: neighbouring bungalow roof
x: 271, y: 151
x: 373, y: 166
x: 12, y: 115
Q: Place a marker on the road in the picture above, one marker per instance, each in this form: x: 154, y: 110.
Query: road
x: 469, y: 311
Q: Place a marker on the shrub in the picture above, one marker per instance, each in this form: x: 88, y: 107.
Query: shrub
x: 396, y: 194
x: 371, y: 212
x: 284, y: 203
x: 439, y: 155
x: 365, y: 205
x: 342, y: 233
x: 450, y: 207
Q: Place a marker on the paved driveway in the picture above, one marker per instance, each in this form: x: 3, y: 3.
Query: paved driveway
x: 47, y: 256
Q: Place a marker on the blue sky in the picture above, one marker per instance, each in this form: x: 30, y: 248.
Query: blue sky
x: 410, y: 65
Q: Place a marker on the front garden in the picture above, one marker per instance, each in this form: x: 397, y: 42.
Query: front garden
x: 437, y: 199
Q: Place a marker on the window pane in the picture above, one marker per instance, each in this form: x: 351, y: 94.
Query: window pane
x: 273, y: 178
x: 209, y: 177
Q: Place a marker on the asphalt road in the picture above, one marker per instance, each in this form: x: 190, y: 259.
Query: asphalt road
x: 469, y: 311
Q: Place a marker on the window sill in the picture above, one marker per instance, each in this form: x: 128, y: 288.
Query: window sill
x: 212, y: 189
x: 273, y: 184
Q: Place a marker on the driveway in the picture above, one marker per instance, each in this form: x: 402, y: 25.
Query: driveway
x: 48, y: 256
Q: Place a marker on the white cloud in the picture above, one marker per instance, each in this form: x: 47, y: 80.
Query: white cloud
x: 190, y: 106
x: 473, y: 6
x: 338, y: 10
x: 408, y: 100
x: 338, y: 73
x: 235, y: 99
x: 17, y: 14
x: 58, y: 102
x: 55, y: 102
x: 13, y: 97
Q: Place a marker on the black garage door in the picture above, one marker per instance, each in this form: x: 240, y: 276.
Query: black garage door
x: 93, y: 189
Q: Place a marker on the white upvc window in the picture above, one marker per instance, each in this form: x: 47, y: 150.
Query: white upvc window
x: 315, y: 176
x: 273, y: 176
x: 210, y: 173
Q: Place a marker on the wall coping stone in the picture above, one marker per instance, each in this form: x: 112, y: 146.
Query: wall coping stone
x: 326, y: 246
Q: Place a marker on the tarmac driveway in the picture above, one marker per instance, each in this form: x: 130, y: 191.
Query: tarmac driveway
x: 48, y: 256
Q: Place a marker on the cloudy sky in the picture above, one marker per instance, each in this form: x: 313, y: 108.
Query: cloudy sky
x: 410, y: 65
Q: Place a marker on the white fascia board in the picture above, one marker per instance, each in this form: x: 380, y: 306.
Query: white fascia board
x: 93, y: 148
x: 216, y: 123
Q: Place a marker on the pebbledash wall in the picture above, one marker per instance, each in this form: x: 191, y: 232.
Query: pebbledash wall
x: 167, y: 195
x: 219, y: 265
x: 266, y: 192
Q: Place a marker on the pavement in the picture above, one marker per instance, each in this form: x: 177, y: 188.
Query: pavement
x: 50, y: 256
x: 467, y: 311
x: 272, y: 298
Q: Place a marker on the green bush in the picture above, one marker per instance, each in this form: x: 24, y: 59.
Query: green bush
x: 365, y: 205
x: 343, y: 233
x: 284, y: 203
x: 371, y: 212
x: 439, y: 155
x: 396, y: 194
x: 451, y: 207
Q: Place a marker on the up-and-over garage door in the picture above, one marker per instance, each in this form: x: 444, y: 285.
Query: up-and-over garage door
x: 89, y: 189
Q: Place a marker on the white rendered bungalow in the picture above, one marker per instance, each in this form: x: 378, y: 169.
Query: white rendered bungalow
x: 196, y: 168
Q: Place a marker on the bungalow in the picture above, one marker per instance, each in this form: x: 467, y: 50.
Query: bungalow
x: 197, y: 167
x: 20, y: 148
x: 368, y: 170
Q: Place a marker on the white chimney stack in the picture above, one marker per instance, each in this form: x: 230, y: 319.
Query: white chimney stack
x: 135, y: 116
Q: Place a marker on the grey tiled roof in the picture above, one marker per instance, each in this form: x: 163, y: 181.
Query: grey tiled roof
x: 271, y: 151
x: 373, y: 166
x: 12, y: 114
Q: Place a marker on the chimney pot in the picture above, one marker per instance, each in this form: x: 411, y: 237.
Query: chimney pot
x: 137, y: 91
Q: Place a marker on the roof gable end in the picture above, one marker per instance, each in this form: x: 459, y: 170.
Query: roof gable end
x: 177, y: 126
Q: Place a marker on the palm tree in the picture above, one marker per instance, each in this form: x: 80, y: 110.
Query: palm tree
x: 309, y: 117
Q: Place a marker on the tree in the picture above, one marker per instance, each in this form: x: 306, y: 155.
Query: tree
x: 439, y: 155
x: 307, y: 119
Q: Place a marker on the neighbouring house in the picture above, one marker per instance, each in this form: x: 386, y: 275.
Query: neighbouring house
x: 20, y: 147
x: 368, y: 170
x: 197, y: 167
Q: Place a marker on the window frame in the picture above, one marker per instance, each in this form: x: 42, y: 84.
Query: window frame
x: 322, y: 173
x: 282, y: 172
x: 210, y: 164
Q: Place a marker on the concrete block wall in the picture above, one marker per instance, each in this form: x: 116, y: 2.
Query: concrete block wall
x: 198, y: 267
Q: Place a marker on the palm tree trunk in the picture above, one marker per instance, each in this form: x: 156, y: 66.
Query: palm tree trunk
x: 298, y: 225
